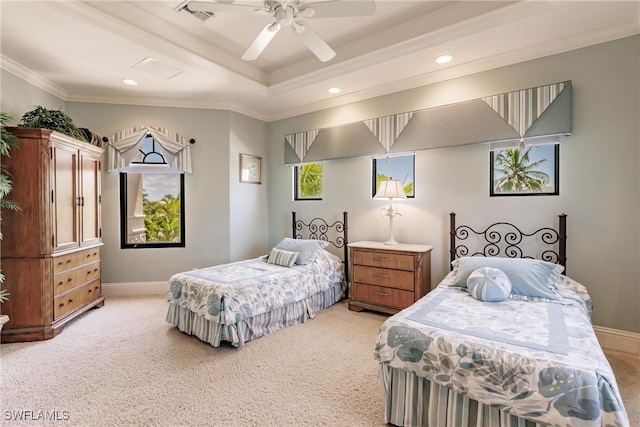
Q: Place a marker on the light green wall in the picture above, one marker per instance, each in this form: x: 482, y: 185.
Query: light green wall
x: 248, y: 204
x: 17, y: 97
x: 599, y: 174
x: 226, y: 220
x: 207, y: 194
x: 215, y: 205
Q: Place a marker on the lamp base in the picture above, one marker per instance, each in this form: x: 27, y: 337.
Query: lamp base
x: 391, y: 242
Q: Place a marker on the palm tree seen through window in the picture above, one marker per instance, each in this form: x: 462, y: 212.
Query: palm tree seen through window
x: 525, y: 171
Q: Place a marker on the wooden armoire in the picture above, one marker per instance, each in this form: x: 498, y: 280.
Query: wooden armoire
x: 51, y: 247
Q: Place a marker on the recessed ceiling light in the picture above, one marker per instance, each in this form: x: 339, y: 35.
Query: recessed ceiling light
x: 334, y: 90
x: 443, y: 59
x: 129, y: 82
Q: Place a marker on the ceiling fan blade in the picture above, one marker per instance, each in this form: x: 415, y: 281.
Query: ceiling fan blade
x: 341, y: 8
x: 215, y: 7
x: 261, y: 41
x: 313, y: 41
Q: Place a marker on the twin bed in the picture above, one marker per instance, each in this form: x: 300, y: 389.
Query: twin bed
x: 504, y: 340
x: 491, y: 349
x: 242, y: 301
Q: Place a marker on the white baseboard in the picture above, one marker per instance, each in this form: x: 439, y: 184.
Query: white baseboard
x: 611, y: 339
x: 130, y: 289
x: 615, y: 339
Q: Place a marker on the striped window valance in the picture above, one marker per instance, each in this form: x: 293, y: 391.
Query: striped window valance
x: 538, y: 115
x: 123, y: 145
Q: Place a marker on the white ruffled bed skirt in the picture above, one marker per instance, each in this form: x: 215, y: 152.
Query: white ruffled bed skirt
x: 411, y: 400
x: 237, y: 334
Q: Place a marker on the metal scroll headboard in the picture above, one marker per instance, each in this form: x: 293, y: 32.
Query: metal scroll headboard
x: 505, y: 239
x: 336, y: 233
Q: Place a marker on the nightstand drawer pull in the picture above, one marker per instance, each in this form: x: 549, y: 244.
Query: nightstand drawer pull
x: 381, y: 259
x: 382, y: 275
x: 384, y: 294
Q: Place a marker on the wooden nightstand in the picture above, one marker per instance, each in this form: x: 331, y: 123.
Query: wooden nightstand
x: 388, y: 278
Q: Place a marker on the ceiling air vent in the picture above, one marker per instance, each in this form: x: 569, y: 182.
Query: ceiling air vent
x: 203, y: 16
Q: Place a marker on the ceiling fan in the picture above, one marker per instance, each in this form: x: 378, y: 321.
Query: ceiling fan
x: 287, y: 14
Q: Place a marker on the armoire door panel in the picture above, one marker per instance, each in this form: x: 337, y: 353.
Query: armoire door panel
x: 65, y: 197
x: 90, y: 201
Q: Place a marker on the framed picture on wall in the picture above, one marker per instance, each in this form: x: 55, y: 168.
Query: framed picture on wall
x: 528, y: 171
x: 250, y: 169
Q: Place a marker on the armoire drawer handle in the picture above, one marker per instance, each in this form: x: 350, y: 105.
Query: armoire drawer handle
x: 382, y: 294
x: 381, y: 275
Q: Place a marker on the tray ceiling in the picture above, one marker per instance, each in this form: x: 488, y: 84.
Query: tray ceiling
x: 81, y: 50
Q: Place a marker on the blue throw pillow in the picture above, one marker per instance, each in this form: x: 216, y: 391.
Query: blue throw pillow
x: 489, y: 284
x: 530, y: 278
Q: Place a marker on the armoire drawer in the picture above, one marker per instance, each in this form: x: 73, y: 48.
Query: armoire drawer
x: 70, y: 279
x: 68, y: 302
x: 66, y: 262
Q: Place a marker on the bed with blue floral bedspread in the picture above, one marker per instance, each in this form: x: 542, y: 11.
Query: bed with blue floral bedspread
x: 244, y: 300
x: 499, y: 342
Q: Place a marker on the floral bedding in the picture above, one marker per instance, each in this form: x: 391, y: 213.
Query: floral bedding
x: 230, y: 293
x: 536, y: 360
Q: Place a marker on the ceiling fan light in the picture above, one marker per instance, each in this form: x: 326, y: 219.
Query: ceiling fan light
x: 284, y: 15
x: 298, y: 26
x: 274, y: 27
x: 307, y: 12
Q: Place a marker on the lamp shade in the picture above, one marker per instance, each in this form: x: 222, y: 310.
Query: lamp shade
x: 390, y: 189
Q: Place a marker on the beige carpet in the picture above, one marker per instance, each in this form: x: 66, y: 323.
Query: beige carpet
x: 123, y: 365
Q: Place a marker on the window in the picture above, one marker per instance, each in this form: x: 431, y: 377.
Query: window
x: 307, y: 179
x: 151, y: 210
x: 527, y: 171
x: 151, y: 202
x: 398, y: 167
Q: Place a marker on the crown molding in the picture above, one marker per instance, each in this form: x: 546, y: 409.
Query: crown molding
x: 29, y: 76
x: 171, y: 103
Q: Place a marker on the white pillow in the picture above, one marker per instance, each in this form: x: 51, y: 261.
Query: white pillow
x: 489, y: 284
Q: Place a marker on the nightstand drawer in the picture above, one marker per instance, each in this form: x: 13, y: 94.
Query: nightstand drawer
x: 384, y: 260
x: 382, y: 296
x: 384, y: 277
